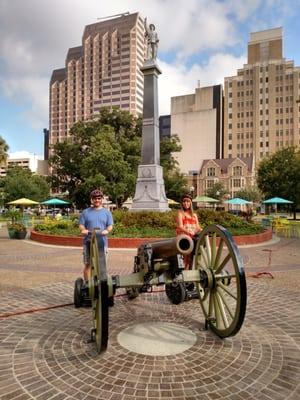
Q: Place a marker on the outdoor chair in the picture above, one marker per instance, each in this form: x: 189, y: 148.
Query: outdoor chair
x: 294, y: 229
x: 281, y: 227
x: 266, y: 223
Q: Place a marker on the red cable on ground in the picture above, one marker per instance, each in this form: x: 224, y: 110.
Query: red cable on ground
x: 259, y: 274
x: 33, y: 310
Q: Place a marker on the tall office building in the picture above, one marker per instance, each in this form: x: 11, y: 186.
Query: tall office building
x: 261, y: 110
x: 103, y: 71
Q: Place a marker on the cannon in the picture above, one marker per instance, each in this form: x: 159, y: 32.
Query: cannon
x: 216, y: 274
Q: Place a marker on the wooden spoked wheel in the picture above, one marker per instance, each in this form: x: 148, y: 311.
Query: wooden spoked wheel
x: 222, y: 289
x: 99, y: 293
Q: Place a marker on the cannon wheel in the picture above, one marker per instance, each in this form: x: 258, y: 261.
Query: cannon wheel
x: 99, y: 297
x: 222, y: 289
x: 78, y: 300
x: 176, y: 292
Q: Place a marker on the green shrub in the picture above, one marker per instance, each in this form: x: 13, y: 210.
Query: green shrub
x: 60, y: 227
x: 153, y: 224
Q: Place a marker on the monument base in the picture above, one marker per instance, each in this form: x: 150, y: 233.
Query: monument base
x: 150, y: 190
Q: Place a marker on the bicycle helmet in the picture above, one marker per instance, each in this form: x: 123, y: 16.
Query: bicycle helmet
x: 96, y: 193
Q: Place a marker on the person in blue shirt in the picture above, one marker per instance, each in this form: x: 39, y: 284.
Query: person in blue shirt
x: 94, y: 217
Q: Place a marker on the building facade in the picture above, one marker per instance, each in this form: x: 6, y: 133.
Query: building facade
x: 32, y: 162
x: 234, y: 173
x: 197, y: 119
x: 103, y: 71
x: 261, y: 110
x: 164, y: 126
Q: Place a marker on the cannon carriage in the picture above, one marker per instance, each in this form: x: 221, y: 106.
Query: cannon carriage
x: 216, y: 276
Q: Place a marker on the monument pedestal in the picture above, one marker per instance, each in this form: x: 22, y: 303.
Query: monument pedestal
x: 150, y: 189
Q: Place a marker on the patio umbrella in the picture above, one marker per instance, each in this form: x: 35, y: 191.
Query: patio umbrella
x: 23, y: 202
x: 277, y: 200
x: 170, y: 201
x: 55, y: 202
x: 238, y: 200
x: 204, y: 199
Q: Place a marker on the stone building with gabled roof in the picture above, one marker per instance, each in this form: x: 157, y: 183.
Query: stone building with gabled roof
x: 234, y: 173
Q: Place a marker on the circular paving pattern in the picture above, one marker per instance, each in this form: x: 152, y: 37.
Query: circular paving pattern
x: 47, y: 355
x: 156, y: 338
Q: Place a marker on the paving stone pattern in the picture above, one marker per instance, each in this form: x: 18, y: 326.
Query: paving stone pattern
x: 47, y: 354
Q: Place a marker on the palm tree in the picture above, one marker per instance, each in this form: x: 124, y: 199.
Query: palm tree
x: 3, y: 150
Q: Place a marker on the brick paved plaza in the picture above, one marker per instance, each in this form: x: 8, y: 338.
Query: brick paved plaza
x: 47, y: 354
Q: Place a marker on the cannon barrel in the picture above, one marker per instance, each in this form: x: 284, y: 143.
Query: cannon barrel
x: 165, y: 248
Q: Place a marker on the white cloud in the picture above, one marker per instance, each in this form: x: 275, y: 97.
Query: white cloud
x: 29, y: 90
x: 23, y: 154
x: 35, y: 36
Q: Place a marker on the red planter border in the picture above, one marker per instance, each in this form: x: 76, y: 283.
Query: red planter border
x: 135, y: 242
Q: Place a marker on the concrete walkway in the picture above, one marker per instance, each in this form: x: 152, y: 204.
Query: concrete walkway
x: 46, y: 354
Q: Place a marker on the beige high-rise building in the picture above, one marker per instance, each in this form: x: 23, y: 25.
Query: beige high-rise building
x: 197, y: 120
x: 261, y: 110
x: 103, y: 71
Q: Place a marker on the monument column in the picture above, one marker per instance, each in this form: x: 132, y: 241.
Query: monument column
x: 150, y: 188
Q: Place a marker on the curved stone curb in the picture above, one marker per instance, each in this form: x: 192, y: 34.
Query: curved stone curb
x: 136, y: 242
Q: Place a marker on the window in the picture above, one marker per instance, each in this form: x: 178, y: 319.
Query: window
x: 236, y: 183
x: 237, y: 170
x: 209, y: 183
x: 211, y: 171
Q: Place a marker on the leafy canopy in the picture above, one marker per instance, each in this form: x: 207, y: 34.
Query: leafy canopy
x: 3, y: 150
x: 250, y: 193
x: 20, y: 182
x: 279, y: 175
x: 106, y: 152
x: 217, y: 191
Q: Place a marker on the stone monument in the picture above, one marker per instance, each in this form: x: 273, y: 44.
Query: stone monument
x: 150, y: 188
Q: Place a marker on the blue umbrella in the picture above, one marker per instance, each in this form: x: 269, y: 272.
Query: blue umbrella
x: 238, y: 200
x: 55, y: 202
x: 277, y: 200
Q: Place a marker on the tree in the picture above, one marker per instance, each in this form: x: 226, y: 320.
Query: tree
x: 3, y: 150
x: 217, y: 191
x: 20, y: 182
x: 250, y: 193
x: 106, y: 152
x: 279, y: 175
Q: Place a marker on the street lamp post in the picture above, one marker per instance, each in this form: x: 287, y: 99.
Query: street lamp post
x: 192, y: 189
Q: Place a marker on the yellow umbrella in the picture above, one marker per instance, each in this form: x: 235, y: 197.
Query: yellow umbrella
x: 23, y: 202
x: 170, y: 201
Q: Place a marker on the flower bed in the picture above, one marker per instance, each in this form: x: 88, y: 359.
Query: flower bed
x: 135, y: 242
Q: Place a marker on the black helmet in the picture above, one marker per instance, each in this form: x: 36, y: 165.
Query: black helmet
x: 96, y: 193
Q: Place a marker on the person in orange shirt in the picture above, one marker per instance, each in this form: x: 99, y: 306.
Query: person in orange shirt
x: 187, y: 223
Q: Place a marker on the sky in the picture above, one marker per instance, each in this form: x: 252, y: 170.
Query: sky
x: 199, y: 41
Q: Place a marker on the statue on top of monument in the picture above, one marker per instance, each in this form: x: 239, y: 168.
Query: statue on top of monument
x: 152, y: 41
